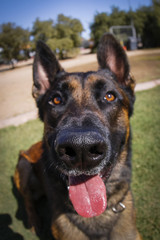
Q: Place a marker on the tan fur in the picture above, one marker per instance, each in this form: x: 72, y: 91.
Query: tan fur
x: 63, y: 229
x: 75, y: 86
x: 34, y: 153
x: 125, y: 227
x: 126, y: 122
x: 17, y: 179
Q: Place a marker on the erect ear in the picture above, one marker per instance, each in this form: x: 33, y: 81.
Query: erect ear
x: 45, y: 68
x: 111, y: 55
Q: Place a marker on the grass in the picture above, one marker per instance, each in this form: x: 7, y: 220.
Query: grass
x: 146, y: 169
x: 146, y: 162
x: 13, y: 139
x: 144, y: 67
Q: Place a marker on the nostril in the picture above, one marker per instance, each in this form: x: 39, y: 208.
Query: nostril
x: 96, y: 151
x: 66, y: 152
x: 70, y: 152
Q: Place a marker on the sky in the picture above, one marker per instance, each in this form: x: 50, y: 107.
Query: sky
x: 23, y: 13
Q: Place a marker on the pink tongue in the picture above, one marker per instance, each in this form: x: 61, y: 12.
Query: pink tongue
x: 88, y: 195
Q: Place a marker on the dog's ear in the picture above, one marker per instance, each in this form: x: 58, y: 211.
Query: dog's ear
x: 45, y: 68
x: 111, y: 55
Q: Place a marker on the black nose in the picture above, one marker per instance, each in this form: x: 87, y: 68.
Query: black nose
x: 81, y: 149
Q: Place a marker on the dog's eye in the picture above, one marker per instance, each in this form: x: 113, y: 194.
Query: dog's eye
x: 57, y: 100
x: 110, y: 97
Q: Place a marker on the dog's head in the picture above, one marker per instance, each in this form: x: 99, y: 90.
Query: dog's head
x: 86, y: 118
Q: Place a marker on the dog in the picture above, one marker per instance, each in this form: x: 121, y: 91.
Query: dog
x: 82, y: 166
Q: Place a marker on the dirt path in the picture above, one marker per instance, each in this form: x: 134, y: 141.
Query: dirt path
x: 16, y: 101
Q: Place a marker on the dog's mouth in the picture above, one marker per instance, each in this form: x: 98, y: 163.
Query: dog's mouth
x: 84, y: 156
x: 88, y: 193
x: 86, y: 188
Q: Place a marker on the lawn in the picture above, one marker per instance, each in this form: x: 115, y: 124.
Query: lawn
x: 146, y: 162
x: 146, y: 169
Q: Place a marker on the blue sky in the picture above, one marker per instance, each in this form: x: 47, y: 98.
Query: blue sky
x: 24, y: 12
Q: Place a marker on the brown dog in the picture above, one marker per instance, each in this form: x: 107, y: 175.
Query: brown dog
x: 82, y: 167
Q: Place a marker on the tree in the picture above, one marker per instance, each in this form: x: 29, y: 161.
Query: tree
x: 43, y: 30
x: 61, y: 37
x: 147, y: 23
x: 103, y: 22
x: 100, y: 25
x: 13, y: 39
x: 60, y: 46
x: 145, y: 19
x: 156, y: 10
x: 156, y: 22
x: 67, y: 27
x: 118, y: 17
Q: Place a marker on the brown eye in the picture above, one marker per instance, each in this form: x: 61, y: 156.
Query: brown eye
x: 55, y: 100
x: 109, y: 97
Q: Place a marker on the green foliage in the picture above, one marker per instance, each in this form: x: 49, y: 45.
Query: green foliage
x: 61, y: 37
x: 147, y: 23
x: 156, y: 9
x: 43, y: 30
x: 118, y: 17
x: 12, y: 40
x: 103, y: 21
x: 60, y: 46
x: 145, y: 19
x: 99, y: 27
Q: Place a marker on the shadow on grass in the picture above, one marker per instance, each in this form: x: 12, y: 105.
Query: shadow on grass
x: 6, y: 233
x: 21, y: 212
x: 42, y: 211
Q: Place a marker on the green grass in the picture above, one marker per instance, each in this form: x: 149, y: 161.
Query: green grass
x: 146, y: 168
x: 13, y: 139
x: 146, y: 162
